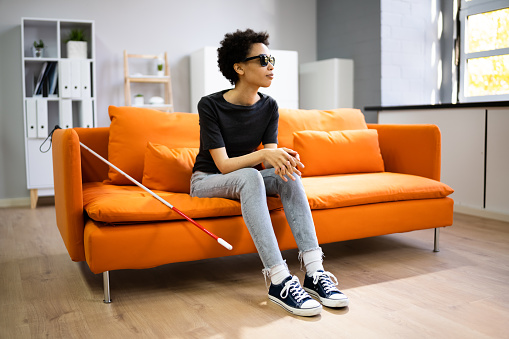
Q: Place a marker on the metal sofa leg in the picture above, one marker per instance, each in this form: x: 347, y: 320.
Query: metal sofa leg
x: 106, y: 287
x: 437, y: 239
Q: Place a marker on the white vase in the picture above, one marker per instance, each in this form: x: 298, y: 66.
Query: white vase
x: 77, y: 49
x: 139, y: 101
x: 37, y: 52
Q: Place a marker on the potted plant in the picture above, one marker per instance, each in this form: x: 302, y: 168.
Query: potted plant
x: 160, y: 69
x: 38, y: 49
x: 77, y: 44
x: 139, y: 100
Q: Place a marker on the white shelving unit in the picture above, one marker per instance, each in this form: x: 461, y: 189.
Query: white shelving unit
x: 161, y: 79
x: 71, y: 103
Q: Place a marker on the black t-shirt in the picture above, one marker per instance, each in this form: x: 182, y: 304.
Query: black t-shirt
x: 240, y: 129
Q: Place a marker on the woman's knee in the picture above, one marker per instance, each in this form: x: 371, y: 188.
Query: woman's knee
x: 251, y: 178
x: 249, y: 174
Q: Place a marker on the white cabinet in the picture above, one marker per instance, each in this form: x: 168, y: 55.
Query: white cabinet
x: 326, y: 84
x: 207, y: 79
x: 475, y: 156
x: 462, y: 133
x: 56, y: 91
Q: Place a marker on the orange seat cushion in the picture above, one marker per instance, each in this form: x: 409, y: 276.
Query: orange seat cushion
x: 295, y: 120
x: 368, y: 188
x: 338, y: 152
x: 133, y: 127
x: 121, y: 204
x: 168, y: 169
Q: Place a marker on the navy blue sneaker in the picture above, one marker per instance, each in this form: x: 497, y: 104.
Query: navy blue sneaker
x: 321, y: 287
x: 290, y: 296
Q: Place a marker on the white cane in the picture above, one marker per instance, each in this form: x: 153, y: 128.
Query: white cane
x: 219, y: 240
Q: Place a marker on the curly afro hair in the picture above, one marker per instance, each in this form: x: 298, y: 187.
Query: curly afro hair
x: 235, y: 47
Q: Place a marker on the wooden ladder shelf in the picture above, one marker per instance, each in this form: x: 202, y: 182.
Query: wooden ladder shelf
x: 164, y: 79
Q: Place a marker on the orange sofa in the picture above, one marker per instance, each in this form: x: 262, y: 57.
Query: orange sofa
x: 361, y: 181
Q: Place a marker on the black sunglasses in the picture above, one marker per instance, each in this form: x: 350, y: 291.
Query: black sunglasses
x: 264, y: 59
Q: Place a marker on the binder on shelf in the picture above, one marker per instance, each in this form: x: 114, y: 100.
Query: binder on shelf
x: 64, y: 78
x: 87, y: 113
x: 65, y: 116
x: 76, y: 79
x: 86, y: 90
x: 31, y: 112
x: 42, y: 118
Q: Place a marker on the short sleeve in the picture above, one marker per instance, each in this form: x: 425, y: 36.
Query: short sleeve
x: 210, y: 133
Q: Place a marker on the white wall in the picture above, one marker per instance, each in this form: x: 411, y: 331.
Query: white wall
x: 411, y: 63
x: 150, y: 26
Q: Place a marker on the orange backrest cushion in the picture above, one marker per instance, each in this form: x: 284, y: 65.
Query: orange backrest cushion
x: 338, y: 152
x: 295, y: 120
x: 133, y: 127
x: 168, y: 169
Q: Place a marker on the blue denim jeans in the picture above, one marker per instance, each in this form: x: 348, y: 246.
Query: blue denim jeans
x: 251, y: 187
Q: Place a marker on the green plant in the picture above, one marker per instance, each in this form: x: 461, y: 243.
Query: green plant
x: 76, y: 35
x: 159, y: 67
x: 39, y: 44
x: 139, y: 95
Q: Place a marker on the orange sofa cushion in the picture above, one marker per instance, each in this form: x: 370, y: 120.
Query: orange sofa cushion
x: 368, y: 188
x: 168, y: 169
x: 133, y: 127
x: 295, y: 120
x: 121, y: 204
x: 338, y: 152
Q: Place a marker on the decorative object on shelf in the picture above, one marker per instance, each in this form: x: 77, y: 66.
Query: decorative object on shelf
x: 38, y: 49
x: 77, y: 44
x: 139, y: 100
x: 156, y: 101
x: 160, y: 67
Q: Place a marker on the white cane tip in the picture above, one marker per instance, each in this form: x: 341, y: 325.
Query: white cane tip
x: 225, y: 244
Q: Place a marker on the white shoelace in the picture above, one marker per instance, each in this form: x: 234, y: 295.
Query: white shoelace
x: 327, y: 279
x: 294, y: 287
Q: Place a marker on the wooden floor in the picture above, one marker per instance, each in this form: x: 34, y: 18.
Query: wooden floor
x: 398, y: 288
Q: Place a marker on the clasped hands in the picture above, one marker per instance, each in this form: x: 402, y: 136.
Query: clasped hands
x: 285, y: 162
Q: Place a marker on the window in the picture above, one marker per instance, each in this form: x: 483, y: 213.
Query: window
x: 484, y: 59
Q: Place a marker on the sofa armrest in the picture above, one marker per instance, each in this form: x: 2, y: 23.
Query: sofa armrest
x: 93, y: 169
x: 410, y: 149
x: 69, y: 191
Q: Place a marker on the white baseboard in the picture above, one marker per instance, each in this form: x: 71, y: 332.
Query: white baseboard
x: 15, y: 202
x: 481, y: 213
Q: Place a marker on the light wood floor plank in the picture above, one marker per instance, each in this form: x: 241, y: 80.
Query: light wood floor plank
x: 398, y: 288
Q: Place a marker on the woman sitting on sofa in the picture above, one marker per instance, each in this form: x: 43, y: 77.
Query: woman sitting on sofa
x: 233, y: 123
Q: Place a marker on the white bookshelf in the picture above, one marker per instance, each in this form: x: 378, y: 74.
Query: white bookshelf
x: 72, y: 103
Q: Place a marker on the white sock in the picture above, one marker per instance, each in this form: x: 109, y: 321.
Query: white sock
x: 312, y: 261
x: 278, y: 273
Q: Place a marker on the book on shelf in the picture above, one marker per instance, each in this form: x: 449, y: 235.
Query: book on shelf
x: 53, y: 79
x: 38, y: 83
x: 47, y: 81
